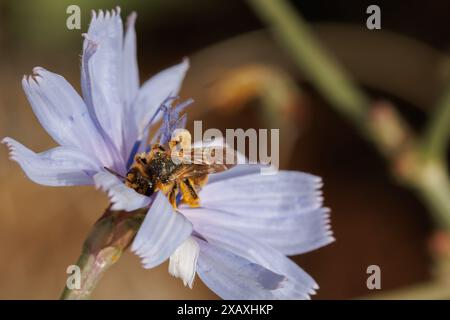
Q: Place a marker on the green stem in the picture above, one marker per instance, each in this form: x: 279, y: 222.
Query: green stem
x: 312, y: 59
x: 108, y: 239
x: 438, y: 129
x: 395, y: 140
x: 419, y: 164
x: 434, y: 188
x: 380, y: 124
x: 93, y: 267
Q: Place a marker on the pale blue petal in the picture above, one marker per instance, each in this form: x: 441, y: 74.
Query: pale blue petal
x: 297, y: 283
x: 286, y: 231
x: 161, y: 233
x: 130, y: 84
x: 155, y: 91
x: 102, y: 72
x: 130, y: 66
x: 121, y: 196
x: 256, y: 195
x: 61, y: 166
x: 233, y: 277
x: 283, y: 210
x: 63, y: 114
x: 87, y: 86
x: 237, y: 171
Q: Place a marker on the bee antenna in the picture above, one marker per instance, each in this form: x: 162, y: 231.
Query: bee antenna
x: 116, y: 174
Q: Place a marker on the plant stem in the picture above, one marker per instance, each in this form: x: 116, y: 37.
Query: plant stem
x: 396, y: 141
x: 295, y: 34
x: 383, y: 126
x: 434, y: 189
x: 92, y: 269
x: 438, y: 129
x: 108, y: 239
x: 419, y: 163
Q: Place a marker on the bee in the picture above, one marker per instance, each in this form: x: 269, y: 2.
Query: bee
x: 176, y: 169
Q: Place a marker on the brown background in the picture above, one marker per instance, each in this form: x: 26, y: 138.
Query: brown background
x: 375, y: 221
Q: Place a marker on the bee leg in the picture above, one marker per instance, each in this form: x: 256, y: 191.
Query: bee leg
x: 165, y: 188
x: 190, y: 196
x: 170, y: 190
x: 173, y: 195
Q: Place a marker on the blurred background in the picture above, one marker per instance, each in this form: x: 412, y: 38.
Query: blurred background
x: 240, y: 77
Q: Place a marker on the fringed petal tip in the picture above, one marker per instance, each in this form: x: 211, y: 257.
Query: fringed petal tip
x: 316, y: 187
x: 12, y: 150
x: 27, y: 81
x: 327, y: 227
x: 39, y: 71
x: 38, y: 75
x: 6, y: 141
x: 312, y: 291
x: 131, y: 19
x: 185, y: 63
x: 9, y: 143
x: 59, y: 166
x: 184, y: 67
x: 27, y: 78
x: 104, y: 24
x: 318, y: 181
x: 105, y: 15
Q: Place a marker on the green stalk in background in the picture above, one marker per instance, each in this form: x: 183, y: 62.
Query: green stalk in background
x: 320, y: 67
x: 378, y: 123
x: 418, y: 162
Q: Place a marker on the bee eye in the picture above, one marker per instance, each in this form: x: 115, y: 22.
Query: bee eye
x: 144, y: 161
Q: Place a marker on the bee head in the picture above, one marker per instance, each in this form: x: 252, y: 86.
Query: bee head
x: 140, y: 183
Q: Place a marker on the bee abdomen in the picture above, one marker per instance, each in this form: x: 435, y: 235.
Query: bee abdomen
x: 161, y: 168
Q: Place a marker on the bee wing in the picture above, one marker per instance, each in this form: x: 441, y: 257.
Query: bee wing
x: 218, y: 155
x: 202, y: 161
x: 198, y: 170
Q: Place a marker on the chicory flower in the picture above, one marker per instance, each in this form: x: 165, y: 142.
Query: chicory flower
x: 104, y: 127
x: 239, y: 238
x: 247, y: 224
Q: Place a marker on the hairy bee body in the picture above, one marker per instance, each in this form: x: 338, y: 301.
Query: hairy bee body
x: 180, y: 181
x: 155, y: 170
x: 161, y: 167
x: 141, y: 183
x: 150, y: 170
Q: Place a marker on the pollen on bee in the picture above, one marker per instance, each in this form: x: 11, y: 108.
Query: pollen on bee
x: 181, y: 139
